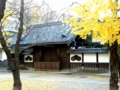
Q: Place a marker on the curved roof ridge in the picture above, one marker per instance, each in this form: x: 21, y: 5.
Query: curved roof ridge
x: 47, y: 24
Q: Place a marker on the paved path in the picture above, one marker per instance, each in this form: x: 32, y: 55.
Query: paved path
x: 64, y: 80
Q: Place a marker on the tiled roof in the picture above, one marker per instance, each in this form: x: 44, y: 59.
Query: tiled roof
x: 88, y: 50
x: 49, y: 33
x: 13, y: 40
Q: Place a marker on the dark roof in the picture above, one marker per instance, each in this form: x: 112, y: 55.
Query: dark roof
x: 49, y: 33
x: 27, y: 51
x: 88, y: 50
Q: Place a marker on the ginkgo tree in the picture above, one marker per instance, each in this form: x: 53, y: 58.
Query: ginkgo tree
x: 7, y: 35
x: 99, y: 18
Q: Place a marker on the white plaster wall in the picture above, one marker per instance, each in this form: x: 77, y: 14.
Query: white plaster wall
x: 75, y: 60
x: 89, y: 58
x: 28, y: 60
x: 4, y: 57
x: 103, y: 57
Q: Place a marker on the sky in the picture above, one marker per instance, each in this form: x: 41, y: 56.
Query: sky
x: 59, y: 4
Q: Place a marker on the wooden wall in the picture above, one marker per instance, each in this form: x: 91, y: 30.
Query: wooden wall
x: 64, y: 58
x: 52, y: 54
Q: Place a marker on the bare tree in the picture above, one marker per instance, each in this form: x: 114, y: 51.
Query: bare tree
x: 30, y: 12
x: 16, y: 75
x: 34, y: 13
x: 14, y: 64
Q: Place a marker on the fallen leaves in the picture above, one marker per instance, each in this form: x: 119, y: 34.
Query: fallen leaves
x: 39, y: 80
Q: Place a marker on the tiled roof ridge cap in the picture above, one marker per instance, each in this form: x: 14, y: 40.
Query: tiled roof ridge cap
x: 47, y: 24
x: 93, y: 48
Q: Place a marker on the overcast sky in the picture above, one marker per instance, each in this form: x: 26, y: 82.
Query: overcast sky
x: 60, y: 4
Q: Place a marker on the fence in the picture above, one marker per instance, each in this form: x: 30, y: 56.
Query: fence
x: 47, y: 65
x: 90, y: 66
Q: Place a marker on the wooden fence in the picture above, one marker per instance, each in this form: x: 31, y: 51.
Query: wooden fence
x: 90, y: 66
x: 47, y: 65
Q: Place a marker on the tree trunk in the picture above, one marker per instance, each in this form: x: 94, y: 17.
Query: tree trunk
x: 2, y: 8
x: 14, y: 67
x: 17, y: 83
x: 113, y: 67
x: 12, y: 64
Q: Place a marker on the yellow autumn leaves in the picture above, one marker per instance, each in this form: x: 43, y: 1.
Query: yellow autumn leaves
x: 98, y: 18
x: 7, y: 36
x: 48, y: 80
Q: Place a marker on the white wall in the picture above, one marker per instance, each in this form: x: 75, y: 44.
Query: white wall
x: 90, y: 58
x: 103, y: 57
x: 75, y: 60
x: 4, y: 57
x: 28, y: 60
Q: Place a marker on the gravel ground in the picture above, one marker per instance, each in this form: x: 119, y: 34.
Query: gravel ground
x: 49, y: 80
